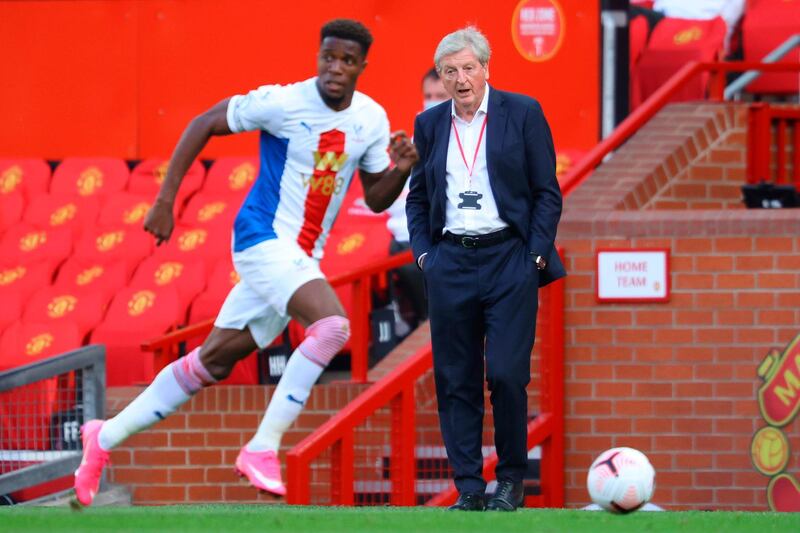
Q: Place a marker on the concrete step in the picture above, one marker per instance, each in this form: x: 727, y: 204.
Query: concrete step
x: 109, y: 496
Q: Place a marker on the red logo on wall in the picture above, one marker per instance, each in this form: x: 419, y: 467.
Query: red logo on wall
x: 537, y: 28
x: 779, y: 402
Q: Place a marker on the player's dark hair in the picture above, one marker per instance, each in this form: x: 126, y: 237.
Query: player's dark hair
x: 351, y: 30
x: 432, y: 74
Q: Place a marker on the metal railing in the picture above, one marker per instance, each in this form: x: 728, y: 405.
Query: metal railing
x: 777, y: 54
x: 769, y: 127
x: 42, y: 406
x: 166, y: 348
x: 642, y: 114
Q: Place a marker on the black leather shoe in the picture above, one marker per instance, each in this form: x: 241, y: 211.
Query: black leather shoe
x: 507, y: 497
x: 472, y: 501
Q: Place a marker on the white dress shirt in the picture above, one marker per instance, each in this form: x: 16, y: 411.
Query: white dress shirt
x: 470, y: 221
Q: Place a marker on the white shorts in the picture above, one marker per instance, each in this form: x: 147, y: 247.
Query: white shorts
x: 270, y: 271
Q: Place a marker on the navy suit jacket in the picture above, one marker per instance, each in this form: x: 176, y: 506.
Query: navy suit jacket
x: 522, y: 172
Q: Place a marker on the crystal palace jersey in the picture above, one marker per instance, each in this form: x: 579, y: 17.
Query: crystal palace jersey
x: 309, y: 153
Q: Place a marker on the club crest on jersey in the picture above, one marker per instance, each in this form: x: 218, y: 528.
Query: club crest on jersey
x: 358, y: 128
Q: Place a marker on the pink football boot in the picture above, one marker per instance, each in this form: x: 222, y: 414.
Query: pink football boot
x: 87, y: 476
x: 262, y: 469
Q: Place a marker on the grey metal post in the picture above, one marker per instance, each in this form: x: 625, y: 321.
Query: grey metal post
x: 742, y: 81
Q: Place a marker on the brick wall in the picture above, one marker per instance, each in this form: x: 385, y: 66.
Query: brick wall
x: 189, y: 457
x: 678, y: 380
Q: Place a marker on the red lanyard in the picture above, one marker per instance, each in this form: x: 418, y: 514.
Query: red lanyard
x: 478, y: 147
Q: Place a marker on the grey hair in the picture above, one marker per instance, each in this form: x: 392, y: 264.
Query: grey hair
x: 458, y: 40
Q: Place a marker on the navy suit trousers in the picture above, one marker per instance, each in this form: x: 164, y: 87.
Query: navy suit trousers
x: 482, y: 306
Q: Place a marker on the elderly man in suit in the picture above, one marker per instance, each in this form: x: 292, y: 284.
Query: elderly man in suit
x: 482, y: 210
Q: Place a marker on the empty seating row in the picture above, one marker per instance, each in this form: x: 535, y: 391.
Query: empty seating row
x: 657, y: 53
x: 94, y: 277
x: 102, y: 306
x: 86, y: 177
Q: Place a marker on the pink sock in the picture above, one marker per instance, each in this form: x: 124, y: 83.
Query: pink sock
x: 173, y: 386
x: 324, y: 339
x: 190, y: 373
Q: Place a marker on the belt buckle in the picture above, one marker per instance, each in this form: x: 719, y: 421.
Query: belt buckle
x: 469, y: 242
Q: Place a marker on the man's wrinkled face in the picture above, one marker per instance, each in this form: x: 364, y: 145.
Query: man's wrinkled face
x: 464, y: 78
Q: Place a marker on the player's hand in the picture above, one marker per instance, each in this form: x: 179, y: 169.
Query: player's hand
x: 402, y: 151
x: 159, y: 221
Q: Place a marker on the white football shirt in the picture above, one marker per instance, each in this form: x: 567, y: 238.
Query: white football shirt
x: 309, y: 153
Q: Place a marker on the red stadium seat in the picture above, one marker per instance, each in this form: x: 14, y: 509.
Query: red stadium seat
x: 148, y: 175
x: 211, y: 209
x: 62, y: 211
x: 125, y: 209
x: 231, y: 175
x: 11, y: 310
x: 11, y: 207
x: 188, y: 278
x: 28, y: 245
x: 90, y: 176
x: 83, y: 308
x: 30, y: 177
x: 136, y: 314
x: 673, y: 43
x: 78, y: 274
x: 766, y: 25
x: 108, y: 245
x: 197, y: 244
x: 208, y: 303
x: 23, y: 279
x: 25, y: 412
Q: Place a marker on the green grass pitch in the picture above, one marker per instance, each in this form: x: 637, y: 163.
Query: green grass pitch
x: 280, y: 518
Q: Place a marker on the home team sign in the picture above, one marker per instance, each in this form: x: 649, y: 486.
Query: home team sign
x: 633, y: 275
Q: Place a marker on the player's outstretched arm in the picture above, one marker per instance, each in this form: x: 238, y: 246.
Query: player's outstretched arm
x: 382, y: 189
x: 160, y: 219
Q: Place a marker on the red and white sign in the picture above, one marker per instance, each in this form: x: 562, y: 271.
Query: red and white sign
x: 537, y: 28
x: 633, y: 275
